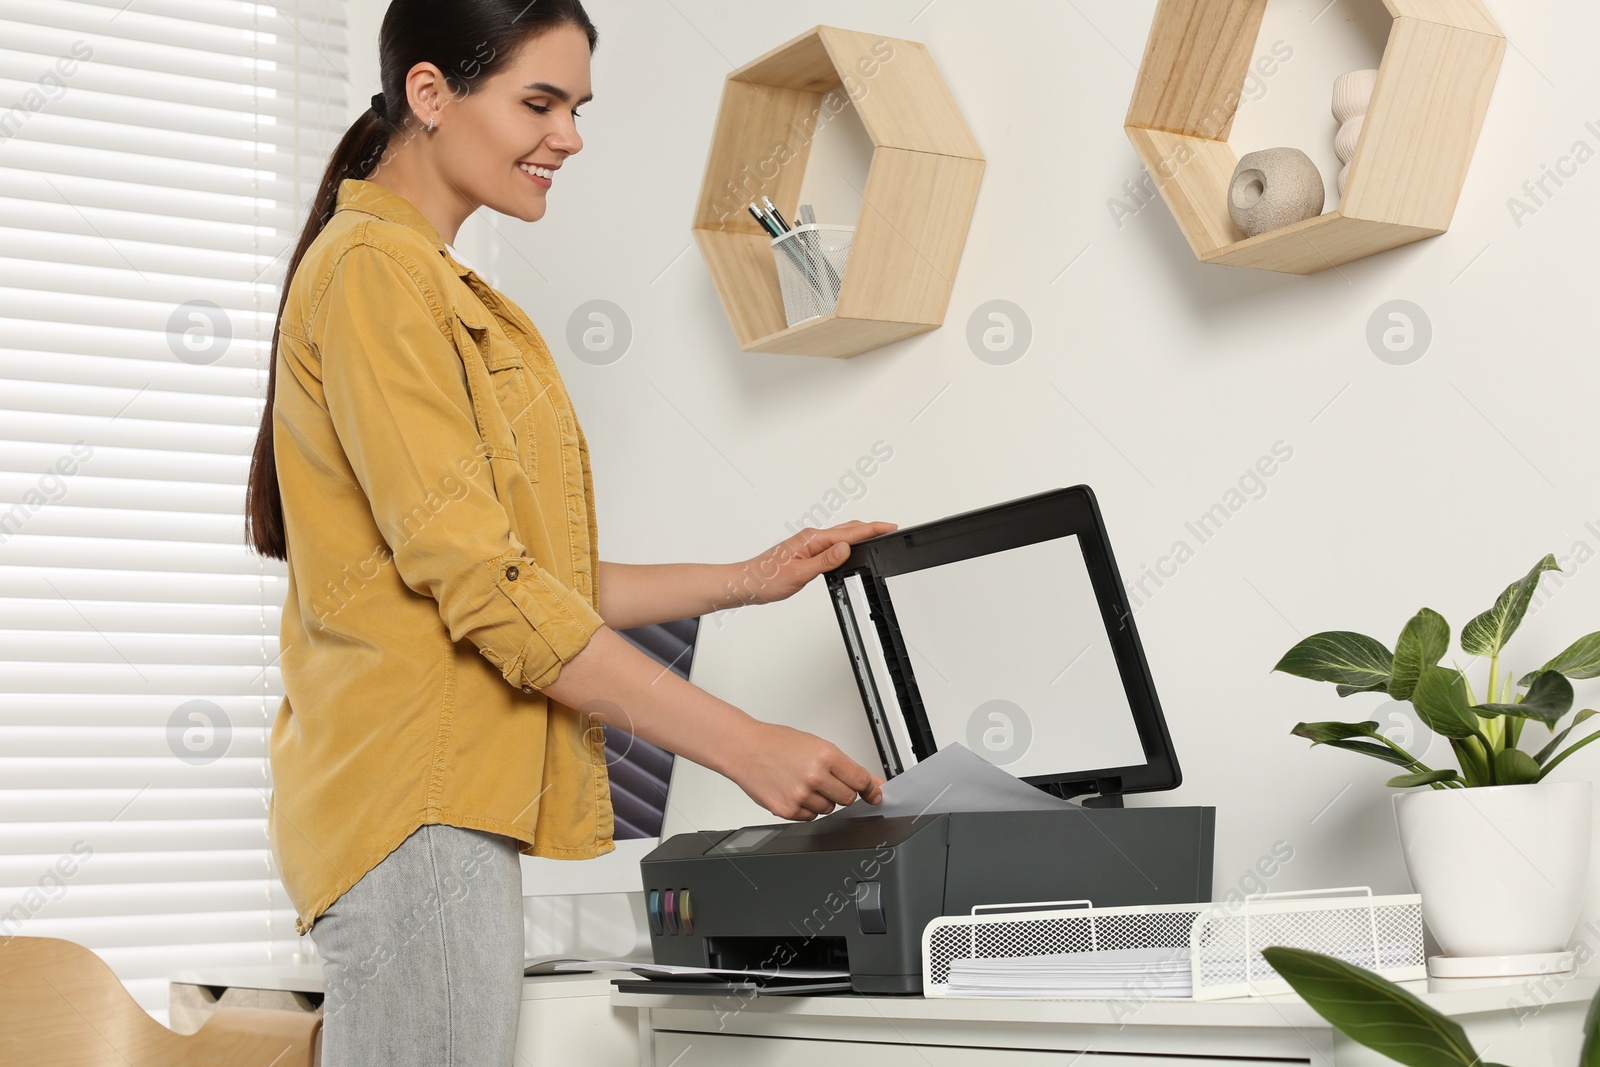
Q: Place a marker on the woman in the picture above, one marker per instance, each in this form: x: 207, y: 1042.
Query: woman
x: 448, y: 637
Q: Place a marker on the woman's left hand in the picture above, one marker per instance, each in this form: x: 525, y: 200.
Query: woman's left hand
x: 779, y: 572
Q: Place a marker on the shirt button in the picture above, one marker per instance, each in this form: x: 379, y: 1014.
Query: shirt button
x: 529, y: 689
x: 511, y: 573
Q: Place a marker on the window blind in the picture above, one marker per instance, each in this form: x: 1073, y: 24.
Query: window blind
x: 157, y: 159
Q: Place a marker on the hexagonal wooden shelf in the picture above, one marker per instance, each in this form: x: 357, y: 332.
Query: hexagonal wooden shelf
x: 916, y: 207
x: 1438, y: 69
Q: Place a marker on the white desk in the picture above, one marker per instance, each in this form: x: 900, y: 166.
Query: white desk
x: 692, y: 1031
x: 565, y: 1018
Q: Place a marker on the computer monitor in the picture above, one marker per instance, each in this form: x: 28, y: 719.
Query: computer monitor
x: 640, y: 773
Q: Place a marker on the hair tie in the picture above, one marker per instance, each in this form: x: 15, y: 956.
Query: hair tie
x: 377, y: 103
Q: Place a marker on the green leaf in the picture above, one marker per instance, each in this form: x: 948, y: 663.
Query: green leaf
x: 1474, y: 762
x: 1555, y: 742
x: 1512, y: 766
x: 1422, y: 643
x: 1377, y: 751
x: 1547, y: 700
x: 1590, y: 1055
x: 1322, y: 732
x: 1488, y: 633
x: 1424, y: 778
x: 1581, y: 659
x: 1339, y: 656
x: 1342, y: 734
x: 1373, y: 1011
x: 1351, y: 690
x: 1570, y: 749
x: 1441, y: 699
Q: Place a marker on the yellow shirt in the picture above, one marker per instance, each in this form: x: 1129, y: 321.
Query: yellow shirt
x: 439, y: 513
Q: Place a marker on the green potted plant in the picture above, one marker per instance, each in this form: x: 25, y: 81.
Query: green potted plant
x: 1498, y: 853
x: 1373, y: 1011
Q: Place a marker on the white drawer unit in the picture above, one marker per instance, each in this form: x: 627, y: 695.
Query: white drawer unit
x: 717, y: 1050
x: 1507, y: 1024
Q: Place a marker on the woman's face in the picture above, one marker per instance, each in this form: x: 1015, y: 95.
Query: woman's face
x: 508, y: 136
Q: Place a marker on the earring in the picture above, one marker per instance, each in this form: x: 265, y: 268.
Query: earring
x: 430, y: 125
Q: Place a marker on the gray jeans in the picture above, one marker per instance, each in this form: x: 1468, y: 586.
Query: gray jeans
x: 423, y: 956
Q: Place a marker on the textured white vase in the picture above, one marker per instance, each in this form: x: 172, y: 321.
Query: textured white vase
x: 1352, y: 92
x: 1272, y: 188
x: 1501, y: 869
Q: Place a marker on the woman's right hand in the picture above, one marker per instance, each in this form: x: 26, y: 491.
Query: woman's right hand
x: 796, y: 775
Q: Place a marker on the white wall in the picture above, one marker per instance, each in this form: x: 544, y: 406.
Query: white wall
x: 1153, y: 378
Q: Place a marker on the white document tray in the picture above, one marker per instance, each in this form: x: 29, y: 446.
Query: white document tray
x: 1382, y: 934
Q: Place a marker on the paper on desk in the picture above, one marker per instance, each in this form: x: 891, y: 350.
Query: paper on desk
x: 1104, y: 975
x: 954, y: 779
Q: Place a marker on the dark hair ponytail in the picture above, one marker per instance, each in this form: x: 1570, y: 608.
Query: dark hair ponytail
x: 468, y: 40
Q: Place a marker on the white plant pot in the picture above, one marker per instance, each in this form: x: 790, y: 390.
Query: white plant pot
x: 1501, y: 869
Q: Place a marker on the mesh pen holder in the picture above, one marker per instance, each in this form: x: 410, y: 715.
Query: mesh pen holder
x: 811, y: 260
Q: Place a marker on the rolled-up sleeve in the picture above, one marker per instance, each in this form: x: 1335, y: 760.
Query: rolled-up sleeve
x: 398, y: 398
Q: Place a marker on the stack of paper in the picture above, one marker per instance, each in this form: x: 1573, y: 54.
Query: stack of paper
x: 680, y: 971
x: 1114, y: 974
x: 954, y: 779
x: 1230, y: 969
x: 1128, y: 974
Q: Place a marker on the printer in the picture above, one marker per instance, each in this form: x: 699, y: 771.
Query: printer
x: 1004, y: 630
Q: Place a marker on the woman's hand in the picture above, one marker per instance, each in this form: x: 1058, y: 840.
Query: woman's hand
x: 782, y: 570
x: 791, y: 773
x: 796, y: 775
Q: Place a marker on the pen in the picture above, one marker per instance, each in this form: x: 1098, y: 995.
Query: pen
x: 766, y: 223
x: 772, y: 223
x: 773, y: 211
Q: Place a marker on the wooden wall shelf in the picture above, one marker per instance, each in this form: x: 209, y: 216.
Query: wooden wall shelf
x: 1438, y: 70
x: 916, y: 207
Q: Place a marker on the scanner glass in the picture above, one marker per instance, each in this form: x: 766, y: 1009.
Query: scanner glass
x: 1005, y: 629
x: 1012, y: 659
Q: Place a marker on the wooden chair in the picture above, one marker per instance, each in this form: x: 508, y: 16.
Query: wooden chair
x: 60, y: 1006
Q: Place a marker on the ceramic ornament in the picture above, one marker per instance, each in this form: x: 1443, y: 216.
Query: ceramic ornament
x: 1274, y: 187
x: 1352, y: 92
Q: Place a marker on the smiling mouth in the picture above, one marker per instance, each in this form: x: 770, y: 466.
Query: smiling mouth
x: 547, y: 173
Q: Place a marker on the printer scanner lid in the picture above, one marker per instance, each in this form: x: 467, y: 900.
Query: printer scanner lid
x: 1006, y: 628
